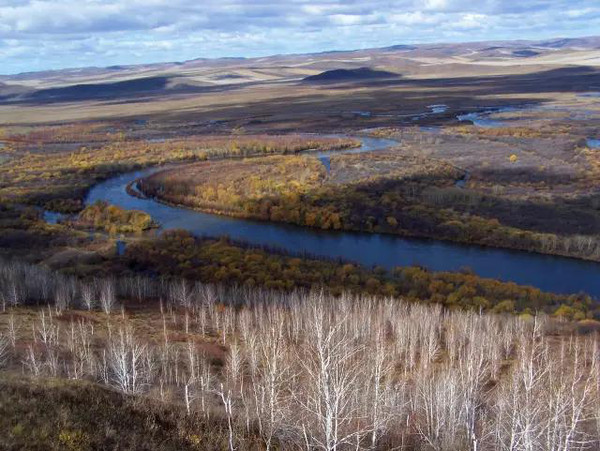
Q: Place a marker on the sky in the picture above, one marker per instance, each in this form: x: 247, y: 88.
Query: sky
x: 55, y: 34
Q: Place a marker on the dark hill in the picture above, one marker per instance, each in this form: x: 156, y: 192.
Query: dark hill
x: 344, y: 75
x: 525, y: 53
x: 94, y: 91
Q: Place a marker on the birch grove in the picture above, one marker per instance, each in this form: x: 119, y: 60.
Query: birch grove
x: 309, y: 371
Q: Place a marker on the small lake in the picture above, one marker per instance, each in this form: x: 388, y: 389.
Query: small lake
x: 54, y: 217
x: 593, y: 143
x: 549, y: 273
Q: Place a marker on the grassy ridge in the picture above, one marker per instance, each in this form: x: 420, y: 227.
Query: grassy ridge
x: 58, y: 414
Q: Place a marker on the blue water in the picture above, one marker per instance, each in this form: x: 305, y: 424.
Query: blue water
x: 481, y: 119
x: 549, y: 273
x: 368, y: 145
x: 53, y: 217
x: 589, y: 94
x: 593, y: 143
x: 477, y: 120
x: 437, y: 109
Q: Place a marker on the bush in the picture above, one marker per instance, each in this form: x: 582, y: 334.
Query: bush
x: 113, y: 219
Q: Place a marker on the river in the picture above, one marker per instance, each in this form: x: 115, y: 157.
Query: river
x: 549, y: 273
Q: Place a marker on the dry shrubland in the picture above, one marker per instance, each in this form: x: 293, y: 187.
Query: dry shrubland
x: 308, y: 371
x: 44, y: 170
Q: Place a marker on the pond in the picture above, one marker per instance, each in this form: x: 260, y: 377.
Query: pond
x: 593, y: 143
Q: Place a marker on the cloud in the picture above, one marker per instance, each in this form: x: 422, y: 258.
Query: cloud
x: 46, y: 34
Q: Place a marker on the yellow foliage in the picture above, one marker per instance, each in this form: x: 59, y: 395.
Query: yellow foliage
x: 73, y: 440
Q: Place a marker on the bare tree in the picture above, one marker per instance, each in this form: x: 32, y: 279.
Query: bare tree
x: 13, y: 329
x: 180, y: 293
x: 4, y: 350
x: 88, y: 295
x: 333, y: 373
x: 32, y: 362
x: 126, y: 361
x: 269, y: 378
x: 46, y: 330
x: 108, y: 297
x: 379, y: 388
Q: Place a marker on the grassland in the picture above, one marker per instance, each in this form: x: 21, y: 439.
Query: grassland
x: 62, y: 414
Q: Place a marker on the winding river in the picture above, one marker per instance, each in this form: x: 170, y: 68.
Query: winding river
x: 549, y: 273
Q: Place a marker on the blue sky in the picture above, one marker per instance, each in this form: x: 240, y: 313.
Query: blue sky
x: 54, y: 34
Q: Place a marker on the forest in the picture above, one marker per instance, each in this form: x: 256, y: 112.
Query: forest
x: 226, y: 367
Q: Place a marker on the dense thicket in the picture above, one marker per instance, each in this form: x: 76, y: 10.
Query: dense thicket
x: 178, y: 253
x: 111, y: 218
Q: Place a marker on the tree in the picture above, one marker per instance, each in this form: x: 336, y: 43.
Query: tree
x: 334, y: 373
x: 108, y: 297
x: 88, y: 294
x: 270, y: 380
x: 129, y: 362
x: 4, y: 350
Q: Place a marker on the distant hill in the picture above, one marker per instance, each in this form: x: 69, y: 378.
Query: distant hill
x: 416, y: 50
x: 525, y: 53
x: 200, y: 76
x: 343, y: 75
x: 100, y: 90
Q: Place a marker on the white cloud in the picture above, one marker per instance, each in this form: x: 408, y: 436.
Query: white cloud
x: 469, y: 21
x: 43, y: 34
x: 416, y: 18
x: 436, y: 4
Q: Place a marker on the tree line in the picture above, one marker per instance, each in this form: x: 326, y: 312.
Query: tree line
x: 179, y: 253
